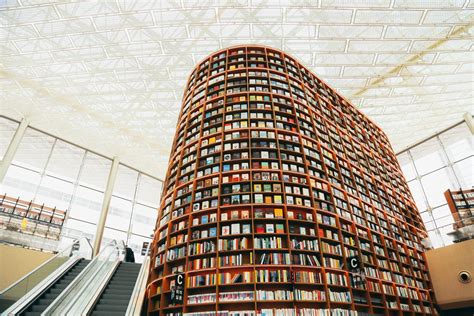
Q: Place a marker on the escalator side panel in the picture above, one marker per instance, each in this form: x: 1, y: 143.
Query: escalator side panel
x: 48, y: 296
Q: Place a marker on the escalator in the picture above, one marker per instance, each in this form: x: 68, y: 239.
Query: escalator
x: 116, y: 295
x: 47, y: 297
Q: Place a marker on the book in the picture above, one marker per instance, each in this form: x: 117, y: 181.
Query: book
x: 259, y: 228
x: 225, y: 230
x: 269, y: 228
x: 235, y: 229
x: 212, y: 232
x: 279, y: 229
x: 277, y: 199
x: 278, y: 213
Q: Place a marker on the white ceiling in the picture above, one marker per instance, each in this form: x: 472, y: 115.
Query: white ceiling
x: 109, y: 75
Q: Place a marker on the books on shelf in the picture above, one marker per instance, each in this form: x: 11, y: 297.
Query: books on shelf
x: 314, y: 295
x: 202, y: 247
x: 307, y: 277
x: 202, y: 263
x: 336, y: 279
x: 273, y: 258
x: 235, y: 277
x: 236, y: 260
x: 202, y: 298
x: 342, y: 296
x: 276, y: 295
x: 265, y: 276
x: 304, y: 259
x: 268, y: 242
x: 236, y: 297
x: 226, y: 244
x: 305, y: 244
x: 201, y: 280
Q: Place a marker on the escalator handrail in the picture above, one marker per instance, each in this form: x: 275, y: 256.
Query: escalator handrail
x: 61, y: 253
x: 136, y: 300
x: 88, y: 275
x: 25, y: 300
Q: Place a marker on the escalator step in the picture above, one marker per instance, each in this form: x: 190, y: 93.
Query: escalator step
x: 97, y: 313
x: 112, y: 308
x: 45, y: 301
x: 38, y: 307
x: 116, y: 296
x: 120, y: 292
x: 51, y: 296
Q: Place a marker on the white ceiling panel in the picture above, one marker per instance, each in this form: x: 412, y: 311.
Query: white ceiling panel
x: 109, y: 74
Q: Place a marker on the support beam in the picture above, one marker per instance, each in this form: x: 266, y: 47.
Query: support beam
x: 12, y: 148
x: 105, y: 205
x: 469, y: 121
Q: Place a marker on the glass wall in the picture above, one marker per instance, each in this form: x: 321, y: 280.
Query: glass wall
x: 443, y: 162
x: 49, y: 170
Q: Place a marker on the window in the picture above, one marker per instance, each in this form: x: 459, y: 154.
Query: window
x: 95, y: 171
x: 428, y: 156
x: 34, y: 150
x: 438, y: 174
x: 457, y: 142
x: 65, y: 161
x: 7, y: 131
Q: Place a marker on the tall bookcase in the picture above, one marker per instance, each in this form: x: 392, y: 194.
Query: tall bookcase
x: 274, y: 182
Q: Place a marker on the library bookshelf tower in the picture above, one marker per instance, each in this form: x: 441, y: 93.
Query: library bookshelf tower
x: 281, y: 198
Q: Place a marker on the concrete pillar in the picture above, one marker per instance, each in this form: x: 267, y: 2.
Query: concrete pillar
x: 12, y: 148
x: 105, y: 205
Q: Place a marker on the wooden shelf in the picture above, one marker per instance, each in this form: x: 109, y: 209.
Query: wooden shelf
x: 270, y: 140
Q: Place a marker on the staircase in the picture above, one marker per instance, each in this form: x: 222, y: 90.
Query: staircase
x: 43, y: 301
x: 116, y: 296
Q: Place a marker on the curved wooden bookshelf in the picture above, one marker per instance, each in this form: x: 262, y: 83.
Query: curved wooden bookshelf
x: 274, y: 182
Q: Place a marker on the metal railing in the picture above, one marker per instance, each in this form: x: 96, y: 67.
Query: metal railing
x: 78, y: 297
x: 138, y: 295
x: 23, y: 291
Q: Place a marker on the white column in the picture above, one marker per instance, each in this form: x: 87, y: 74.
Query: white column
x: 105, y: 205
x: 12, y: 148
x: 469, y: 121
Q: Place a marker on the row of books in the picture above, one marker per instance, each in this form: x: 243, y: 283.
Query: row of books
x: 336, y: 296
x: 236, y: 229
x: 269, y: 228
x: 304, y: 244
x: 202, y: 298
x: 233, y: 278
x: 307, y: 277
x: 268, y: 242
x: 206, y: 233
x: 202, y: 248
x: 314, y: 295
x: 233, y: 244
x: 265, y: 276
x: 236, y: 260
x: 236, y: 296
x: 307, y: 312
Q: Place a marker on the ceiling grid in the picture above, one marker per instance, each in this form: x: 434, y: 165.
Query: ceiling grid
x: 95, y: 72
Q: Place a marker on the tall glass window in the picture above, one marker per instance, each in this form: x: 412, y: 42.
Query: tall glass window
x: 443, y: 162
x: 50, y: 171
x: 7, y: 130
